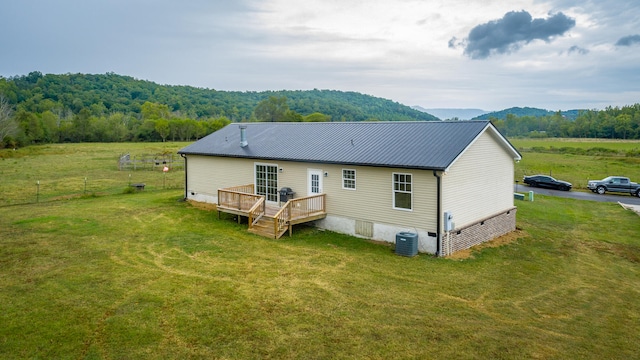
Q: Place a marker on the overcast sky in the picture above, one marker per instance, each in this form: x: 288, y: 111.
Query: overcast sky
x: 486, y: 54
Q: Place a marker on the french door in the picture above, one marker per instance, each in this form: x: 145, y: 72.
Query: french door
x: 267, y: 181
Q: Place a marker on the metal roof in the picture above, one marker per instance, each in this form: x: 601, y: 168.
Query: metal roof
x: 417, y: 144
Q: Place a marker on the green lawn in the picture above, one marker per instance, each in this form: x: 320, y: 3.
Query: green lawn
x: 108, y: 274
x: 146, y: 275
x: 578, y: 160
x: 621, y: 146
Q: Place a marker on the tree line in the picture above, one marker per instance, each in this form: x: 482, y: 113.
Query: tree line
x: 610, y: 123
x: 51, y: 108
x: 38, y: 108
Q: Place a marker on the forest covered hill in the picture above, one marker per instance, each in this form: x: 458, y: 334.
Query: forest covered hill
x: 527, y: 111
x: 37, y: 108
x: 108, y: 93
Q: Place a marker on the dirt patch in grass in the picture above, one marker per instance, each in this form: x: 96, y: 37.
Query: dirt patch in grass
x: 202, y: 206
x: 75, y: 196
x: 381, y: 243
x: 497, y: 242
x: 628, y: 252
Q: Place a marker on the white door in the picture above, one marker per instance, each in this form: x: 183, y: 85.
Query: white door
x: 314, y: 181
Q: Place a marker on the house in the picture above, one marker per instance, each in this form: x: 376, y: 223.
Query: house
x: 449, y: 182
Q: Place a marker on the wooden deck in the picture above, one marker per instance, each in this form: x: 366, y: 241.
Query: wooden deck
x: 266, y: 219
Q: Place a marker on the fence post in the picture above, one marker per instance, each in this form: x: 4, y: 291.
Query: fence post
x: 38, y: 191
x: 165, y: 169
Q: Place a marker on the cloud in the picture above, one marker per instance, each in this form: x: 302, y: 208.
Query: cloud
x: 628, y: 40
x: 508, y: 34
x: 454, y: 43
x: 577, y: 50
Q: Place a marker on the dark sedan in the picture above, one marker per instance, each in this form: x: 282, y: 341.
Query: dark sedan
x: 546, y: 182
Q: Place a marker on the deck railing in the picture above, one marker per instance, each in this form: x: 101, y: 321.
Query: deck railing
x: 238, y: 198
x: 241, y: 200
x: 281, y: 220
x: 299, y: 208
x: 256, y: 212
x: 248, y: 189
x: 307, y: 206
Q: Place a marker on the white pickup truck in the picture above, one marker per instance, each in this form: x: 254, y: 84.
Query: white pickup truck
x: 614, y: 184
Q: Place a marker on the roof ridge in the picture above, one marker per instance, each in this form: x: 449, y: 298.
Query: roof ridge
x: 361, y: 122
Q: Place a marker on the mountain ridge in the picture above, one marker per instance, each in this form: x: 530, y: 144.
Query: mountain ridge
x: 452, y: 113
x: 527, y: 111
x: 107, y: 93
x: 479, y: 114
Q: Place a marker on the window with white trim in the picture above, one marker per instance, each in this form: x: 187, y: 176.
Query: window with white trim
x: 267, y: 181
x: 402, y: 191
x: 348, y: 179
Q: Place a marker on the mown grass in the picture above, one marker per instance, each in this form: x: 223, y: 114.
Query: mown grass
x: 560, y: 158
x: 620, y: 146
x: 146, y: 275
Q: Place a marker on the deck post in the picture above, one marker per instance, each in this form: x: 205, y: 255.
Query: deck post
x: 289, y: 221
x: 275, y: 228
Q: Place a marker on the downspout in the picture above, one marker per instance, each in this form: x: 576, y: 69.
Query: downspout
x: 185, y: 177
x: 438, y: 213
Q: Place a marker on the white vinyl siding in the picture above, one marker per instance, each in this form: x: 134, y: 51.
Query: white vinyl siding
x: 374, y: 198
x: 480, y: 183
x: 206, y: 174
x: 372, y: 202
x: 348, y: 179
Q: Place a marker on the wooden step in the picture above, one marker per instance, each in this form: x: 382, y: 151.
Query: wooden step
x: 264, y: 227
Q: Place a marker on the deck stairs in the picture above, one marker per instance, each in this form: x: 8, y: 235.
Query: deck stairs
x: 264, y: 227
x: 269, y: 220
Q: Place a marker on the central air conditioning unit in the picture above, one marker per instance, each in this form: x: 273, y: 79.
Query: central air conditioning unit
x: 406, y: 243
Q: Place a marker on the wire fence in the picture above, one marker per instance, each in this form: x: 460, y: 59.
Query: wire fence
x: 150, y: 161
x: 33, y: 189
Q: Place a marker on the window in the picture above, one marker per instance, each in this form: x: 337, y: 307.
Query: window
x: 267, y: 181
x: 402, y: 191
x: 348, y: 179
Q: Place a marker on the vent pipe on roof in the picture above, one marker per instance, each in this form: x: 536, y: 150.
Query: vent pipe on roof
x: 243, y: 136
